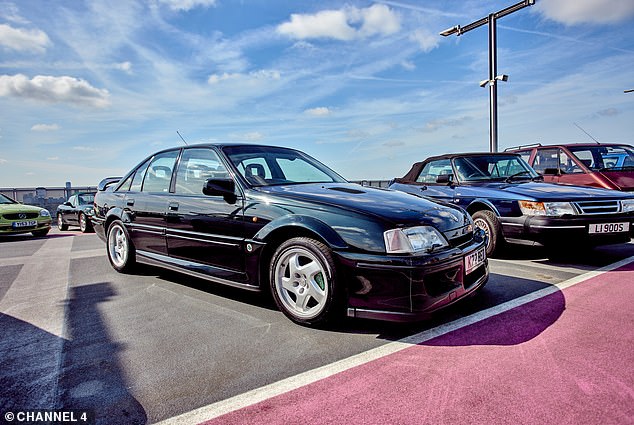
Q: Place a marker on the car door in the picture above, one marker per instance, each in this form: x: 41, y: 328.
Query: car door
x: 69, y: 210
x: 437, y: 177
x: 147, y: 207
x: 202, y: 229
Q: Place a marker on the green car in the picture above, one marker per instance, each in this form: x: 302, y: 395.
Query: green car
x: 18, y: 218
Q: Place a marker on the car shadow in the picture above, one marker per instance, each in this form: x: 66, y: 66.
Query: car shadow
x: 92, y: 376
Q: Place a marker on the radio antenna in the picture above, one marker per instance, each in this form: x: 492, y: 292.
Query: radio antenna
x: 179, y: 135
x: 587, y: 134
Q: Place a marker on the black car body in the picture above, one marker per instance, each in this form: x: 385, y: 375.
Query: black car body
x: 508, y: 199
x: 258, y: 216
x: 76, y: 211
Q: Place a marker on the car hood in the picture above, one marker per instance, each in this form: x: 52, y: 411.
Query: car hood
x: 399, y: 208
x: 624, y: 179
x: 541, y: 191
x: 17, y: 208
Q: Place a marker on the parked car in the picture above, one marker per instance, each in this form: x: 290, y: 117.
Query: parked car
x: 263, y: 217
x: 508, y: 199
x: 610, y: 166
x: 77, y: 211
x: 19, y: 218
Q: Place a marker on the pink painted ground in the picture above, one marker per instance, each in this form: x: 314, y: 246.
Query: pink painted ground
x: 565, y: 359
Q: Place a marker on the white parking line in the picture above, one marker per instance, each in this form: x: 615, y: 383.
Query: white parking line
x: 257, y: 395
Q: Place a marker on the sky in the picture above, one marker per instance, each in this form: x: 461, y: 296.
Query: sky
x: 88, y: 89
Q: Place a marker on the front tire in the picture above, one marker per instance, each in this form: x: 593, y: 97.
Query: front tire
x: 487, y: 221
x: 60, y: 223
x: 304, y: 282
x: 84, y: 223
x: 121, y: 252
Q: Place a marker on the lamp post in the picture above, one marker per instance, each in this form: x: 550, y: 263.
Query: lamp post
x: 628, y: 91
x: 491, y: 20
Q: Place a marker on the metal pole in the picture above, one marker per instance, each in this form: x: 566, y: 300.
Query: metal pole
x: 493, y: 87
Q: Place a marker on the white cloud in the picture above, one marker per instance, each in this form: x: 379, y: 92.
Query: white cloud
x: 253, y: 76
x: 253, y: 136
x: 318, y: 112
x: 53, y: 158
x: 124, y: 66
x: 23, y: 40
x: 408, y: 65
x: 572, y: 12
x: 344, y: 24
x: 54, y: 90
x: 186, y: 5
x: 85, y: 148
x: 3, y: 161
x: 45, y: 127
x: 427, y: 40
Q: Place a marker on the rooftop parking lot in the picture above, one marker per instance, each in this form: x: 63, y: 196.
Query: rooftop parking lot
x: 159, y: 346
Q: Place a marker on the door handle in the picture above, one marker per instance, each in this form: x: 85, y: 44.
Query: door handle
x: 173, y: 206
x: 130, y: 202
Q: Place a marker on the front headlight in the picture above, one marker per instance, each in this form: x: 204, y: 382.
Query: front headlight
x: 89, y: 211
x: 413, y: 239
x: 627, y: 205
x: 45, y: 213
x: 548, y: 209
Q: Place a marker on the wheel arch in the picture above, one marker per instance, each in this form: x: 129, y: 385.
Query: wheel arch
x: 482, y: 204
x: 278, y: 231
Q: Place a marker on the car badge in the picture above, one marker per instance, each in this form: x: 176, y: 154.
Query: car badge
x: 22, y: 215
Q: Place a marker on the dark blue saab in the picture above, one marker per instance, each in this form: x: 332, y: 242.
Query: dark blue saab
x: 511, y: 203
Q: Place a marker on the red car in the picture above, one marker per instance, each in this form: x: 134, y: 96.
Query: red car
x: 609, y: 166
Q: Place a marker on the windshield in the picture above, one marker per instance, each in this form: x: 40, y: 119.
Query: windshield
x: 493, y: 167
x: 605, y: 158
x: 6, y: 200
x: 86, y: 198
x: 269, y: 166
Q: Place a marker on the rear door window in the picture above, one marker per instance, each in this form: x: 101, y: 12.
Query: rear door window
x: 159, y: 173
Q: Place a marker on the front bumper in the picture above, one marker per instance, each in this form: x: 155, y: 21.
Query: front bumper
x: 7, y: 227
x: 574, y: 229
x: 408, y: 288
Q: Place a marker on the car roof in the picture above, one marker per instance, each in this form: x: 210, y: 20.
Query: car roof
x: 564, y: 145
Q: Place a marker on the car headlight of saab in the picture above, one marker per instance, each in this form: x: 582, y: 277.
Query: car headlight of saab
x: 45, y: 213
x: 413, y: 239
x: 547, y: 209
x: 627, y: 205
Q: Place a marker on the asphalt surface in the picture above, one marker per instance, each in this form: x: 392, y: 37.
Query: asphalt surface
x: 156, y: 345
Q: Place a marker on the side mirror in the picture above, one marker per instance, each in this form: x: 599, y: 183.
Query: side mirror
x: 68, y: 204
x: 444, y: 178
x: 221, y: 187
x: 551, y: 172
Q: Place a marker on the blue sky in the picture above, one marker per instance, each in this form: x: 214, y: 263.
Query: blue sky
x: 90, y: 88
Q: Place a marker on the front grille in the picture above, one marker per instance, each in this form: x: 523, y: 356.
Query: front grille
x: 20, y: 216
x: 598, y: 207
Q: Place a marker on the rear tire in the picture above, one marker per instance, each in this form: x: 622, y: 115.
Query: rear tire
x: 121, y: 252
x: 488, y: 221
x: 304, y: 282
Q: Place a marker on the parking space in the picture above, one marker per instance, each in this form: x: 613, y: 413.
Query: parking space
x: 155, y: 345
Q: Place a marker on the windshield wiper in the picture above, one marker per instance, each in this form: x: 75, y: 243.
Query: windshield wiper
x: 512, y: 176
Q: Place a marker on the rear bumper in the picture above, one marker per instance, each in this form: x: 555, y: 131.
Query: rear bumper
x: 409, y: 288
x: 556, y: 231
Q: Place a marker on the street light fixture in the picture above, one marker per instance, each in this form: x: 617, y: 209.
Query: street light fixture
x: 628, y: 91
x: 491, y: 20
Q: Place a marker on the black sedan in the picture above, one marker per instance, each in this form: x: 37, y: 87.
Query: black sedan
x: 262, y: 217
x: 508, y: 199
x: 77, y: 211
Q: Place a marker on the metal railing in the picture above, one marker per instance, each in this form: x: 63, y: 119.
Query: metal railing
x: 44, y: 197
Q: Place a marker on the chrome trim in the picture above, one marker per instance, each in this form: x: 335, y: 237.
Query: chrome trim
x: 558, y: 227
x: 170, y: 235
x: 189, y: 232
x: 605, y: 207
